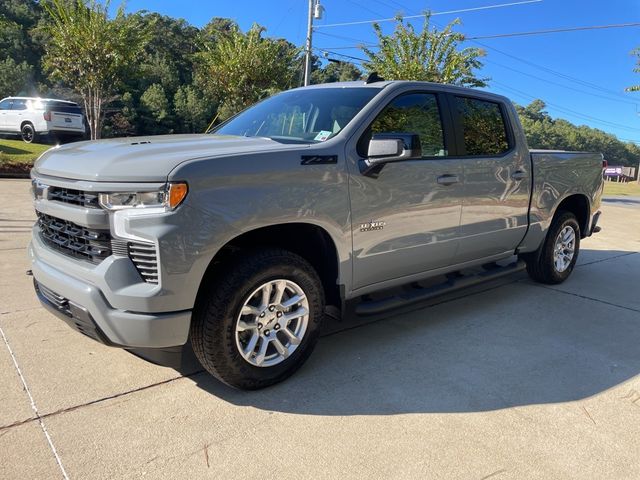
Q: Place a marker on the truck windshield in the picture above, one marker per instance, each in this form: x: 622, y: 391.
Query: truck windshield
x: 309, y: 116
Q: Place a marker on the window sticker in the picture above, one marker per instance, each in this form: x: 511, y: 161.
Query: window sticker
x: 323, y: 135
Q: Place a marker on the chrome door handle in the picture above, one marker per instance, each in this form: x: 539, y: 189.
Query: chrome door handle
x: 519, y: 175
x: 448, y: 179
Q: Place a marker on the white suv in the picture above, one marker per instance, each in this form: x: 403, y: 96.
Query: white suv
x: 30, y: 117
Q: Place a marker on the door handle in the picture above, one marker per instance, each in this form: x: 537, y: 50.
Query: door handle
x: 448, y: 179
x: 519, y: 175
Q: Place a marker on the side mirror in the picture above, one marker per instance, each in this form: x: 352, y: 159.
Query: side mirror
x: 390, y: 147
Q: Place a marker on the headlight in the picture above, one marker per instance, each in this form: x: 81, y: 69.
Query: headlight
x: 168, y: 198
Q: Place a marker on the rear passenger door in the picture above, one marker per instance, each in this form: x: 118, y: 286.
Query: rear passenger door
x: 497, y: 181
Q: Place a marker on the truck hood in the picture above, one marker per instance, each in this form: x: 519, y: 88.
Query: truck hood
x: 144, y: 159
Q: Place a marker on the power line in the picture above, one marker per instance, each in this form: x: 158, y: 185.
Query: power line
x: 555, y: 72
x: 515, y: 34
x: 323, y: 50
x: 556, y: 30
x: 462, y: 10
x: 569, y: 111
x: 630, y: 102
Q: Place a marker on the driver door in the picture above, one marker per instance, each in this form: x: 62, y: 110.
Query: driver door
x: 406, y: 218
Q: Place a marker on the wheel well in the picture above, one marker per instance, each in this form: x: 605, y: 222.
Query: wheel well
x: 25, y: 123
x: 311, y: 242
x: 579, y: 206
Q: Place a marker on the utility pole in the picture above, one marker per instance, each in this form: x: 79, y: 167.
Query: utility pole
x: 315, y: 11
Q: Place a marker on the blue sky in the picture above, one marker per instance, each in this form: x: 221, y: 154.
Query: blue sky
x: 599, y: 60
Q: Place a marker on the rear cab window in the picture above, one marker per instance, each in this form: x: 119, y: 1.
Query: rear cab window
x: 484, y: 130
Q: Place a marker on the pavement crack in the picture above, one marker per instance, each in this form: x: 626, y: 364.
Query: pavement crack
x: 586, y: 412
x: 585, y: 297
x: 18, y: 311
x: 497, y: 472
x: 626, y: 254
x: 34, y: 407
x: 98, y: 400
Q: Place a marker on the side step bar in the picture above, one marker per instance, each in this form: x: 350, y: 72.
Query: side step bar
x: 454, y: 282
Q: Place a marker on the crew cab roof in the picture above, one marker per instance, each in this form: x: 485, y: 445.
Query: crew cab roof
x: 417, y: 84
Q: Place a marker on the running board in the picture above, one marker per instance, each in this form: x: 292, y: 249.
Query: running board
x: 453, y: 282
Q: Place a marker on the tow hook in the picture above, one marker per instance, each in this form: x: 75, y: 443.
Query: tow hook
x: 29, y: 273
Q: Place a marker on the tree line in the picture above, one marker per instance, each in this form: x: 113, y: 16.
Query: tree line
x: 145, y: 73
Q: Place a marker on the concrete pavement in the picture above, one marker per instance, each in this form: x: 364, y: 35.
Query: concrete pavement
x: 514, y: 380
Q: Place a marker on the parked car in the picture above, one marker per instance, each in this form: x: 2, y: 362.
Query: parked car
x: 32, y: 117
x: 372, y: 195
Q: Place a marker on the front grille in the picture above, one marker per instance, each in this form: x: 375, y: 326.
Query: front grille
x: 74, y: 197
x: 74, y: 240
x: 143, y: 255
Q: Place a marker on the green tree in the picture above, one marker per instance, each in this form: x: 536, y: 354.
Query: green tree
x: 635, y: 88
x: 429, y: 55
x: 90, y: 52
x: 15, y: 78
x: 543, y: 131
x: 192, y: 110
x: 239, y: 69
x: 155, y: 108
x: 336, y: 72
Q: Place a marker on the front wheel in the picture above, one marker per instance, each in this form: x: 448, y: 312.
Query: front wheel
x: 259, y: 322
x: 554, y: 261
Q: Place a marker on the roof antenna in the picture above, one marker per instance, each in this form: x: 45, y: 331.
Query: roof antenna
x: 373, y: 78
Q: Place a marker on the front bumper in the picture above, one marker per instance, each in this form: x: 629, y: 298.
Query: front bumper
x: 84, y: 307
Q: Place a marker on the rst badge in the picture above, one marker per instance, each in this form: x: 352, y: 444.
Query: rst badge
x: 372, y: 225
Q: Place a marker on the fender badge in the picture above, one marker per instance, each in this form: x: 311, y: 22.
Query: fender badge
x: 372, y: 225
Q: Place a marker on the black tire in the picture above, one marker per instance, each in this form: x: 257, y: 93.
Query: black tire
x: 213, y: 325
x: 28, y: 133
x: 540, y: 264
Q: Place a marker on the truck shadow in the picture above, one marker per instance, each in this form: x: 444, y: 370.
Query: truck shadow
x: 515, y: 344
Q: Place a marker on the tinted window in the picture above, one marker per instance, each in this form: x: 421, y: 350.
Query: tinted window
x: 19, y: 105
x: 4, y: 105
x: 483, y: 126
x: 63, y: 107
x: 311, y: 115
x: 414, y: 113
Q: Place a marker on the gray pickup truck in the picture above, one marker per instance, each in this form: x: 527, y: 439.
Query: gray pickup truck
x: 238, y: 243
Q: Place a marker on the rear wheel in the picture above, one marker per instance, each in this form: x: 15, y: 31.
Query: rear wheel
x: 554, y: 261
x: 257, y: 324
x: 28, y: 133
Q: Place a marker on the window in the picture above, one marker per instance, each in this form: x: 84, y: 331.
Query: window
x: 5, y: 104
x: 414, y: 113
x: 300, y: 116
x: 19, y: 105
x: 63, y: 107
x: 483, y: 126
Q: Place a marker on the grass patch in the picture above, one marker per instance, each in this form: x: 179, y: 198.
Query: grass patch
x: 17, y: 157
x: 631, y: 189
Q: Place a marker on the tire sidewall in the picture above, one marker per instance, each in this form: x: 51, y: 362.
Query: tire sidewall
x: 26, y: 127
x: 564, y: 220
x: 222, y: 356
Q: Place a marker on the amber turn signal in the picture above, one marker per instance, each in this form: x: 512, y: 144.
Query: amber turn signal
x: 177, y: 193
